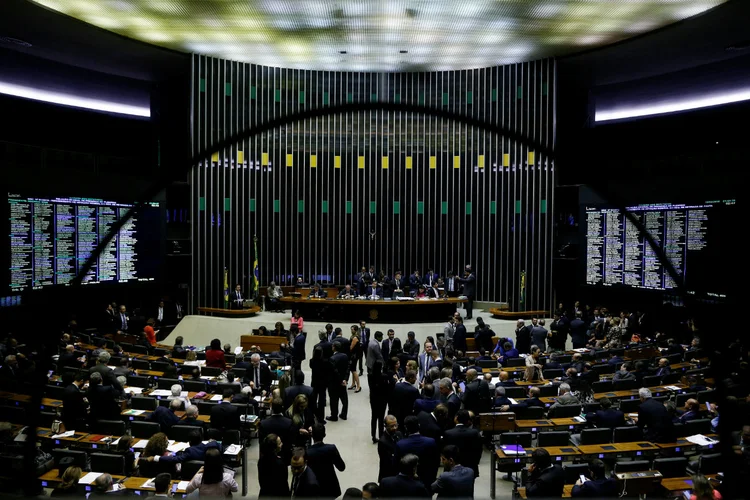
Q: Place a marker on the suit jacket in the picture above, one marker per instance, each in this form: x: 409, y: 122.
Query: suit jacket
x: 688, y: 416
x: 273, y: 476
x: 386, y: 452
x: 345, y: 345
x: 265, y: 376
x: 429, y: 427
x: 578, y: 331
x: 293, y: 391
x: 298, y: 349
x: 322, y: 458
x: 103, y: 403
x: 340, y: 363
x: 597, y: 488
x: 352, y: 292
x: 322, y: 294
x: 531, y: 402
x: 425, y: 405
x: 433, y: 293
x: 234, y: 297
x: 427, y: 451
x: 477, y: 396
x: 614, y: 360
x: 470, y: 283
x: 374, y: 354
x: 74, y: 408
x: 453, y: 402
x: 164, y: 417
x: 523, y: 340
x: 623, y: 376
x: 546, y: 484
x: 108, y: 376
x: 469, y: 443
x: 411, y: 348
x: 402, y: 486
x: 67, y: 359
x: 327, y: 348
x: 281, y: 426
x: 539, y: 337
x: 378, y: 291
x: 197, y: 452
x: 610, y: 418
x: 655, y: 421
x: 456, y: 483
x: 428, y: 280
x: 388, y: 351
x: 402, y: 400
x: 566, y: 399
x: 118, y: 322
x: 459, y: 338
x: 225, y: 416
x: 425, y: 363
x: 307, y: 486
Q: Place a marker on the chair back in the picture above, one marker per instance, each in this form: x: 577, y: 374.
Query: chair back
x: 556, y: 438
x: 139, y: 349
x: 210, y: 371
x: 552, y: 373
x: 566, y: 411
x: 631, y: 466
x: 519, y: 438
x: 629, y: 405
x: 143, y: 403
x: 80, y: 458
x: 671, y: 467
x: 698, y: 426
x: 572, y: 471
x: 710, y: 463
x: 513, y: 362
x: 194, y: 385
x: 487, y: 363
x: 54, y: 391
x: 679, y: 401
x: 105, y: 462
x: 515, y: 392
x: 110, y: 427
x: 182, y: 433
x: 190, y: 469
x: 602, y: 386
x: 707, y: 396
x: 220, y: 388
x: 144, y: 430
x: 547, y: 391
x: 629, y: 434
x: 140, y: 364
x: 167, y: 383
x: 651, y: 381
x: 604, y: 369
x: 139, y: 381
x: 624, y: 385
x: 13, y: 414
x: 596, y: 436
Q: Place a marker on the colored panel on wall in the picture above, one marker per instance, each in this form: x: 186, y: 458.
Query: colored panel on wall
x: 397, y: 98
x: 349, y: 97
x: 493, y: 208
x: 228, y: 89
x: 373, y: 207
x: 433, y: 161
x: 313, y: 161
x: 384, y: 162
x: 253, y: 92
x: 519, y: 92
x: 348, y: 207
x: 289, y: 160
x: 420, y: 207
x: 421, y: 99
x: 456, y: 162
x: 227, y: 204
x: 543, y: 206
x: 506, y: 159
x: 277, y: 95
x: 446, y: 98
x: 201, y: 203
x: 324, y: 206
x: 480, y: 161
x: 360, y: 162
x: 326, y: 99
x: 373, y: 97
x: 336, y: 161
x: 494, y: 95
x: 408, y: 163
x: 277, y: 206
x: 300, y: 206
x: 518, y: 206
x: 202, y: 85
x: 469, y: 97
x: 301, y: 97
x: 264, y: 159
x: 396, y: 207
x: 240, y: 157
x: 215, y: 157
x: 468, y: 208
x: 252, y: 204
x: 444, y: 208
x: 531, y: 157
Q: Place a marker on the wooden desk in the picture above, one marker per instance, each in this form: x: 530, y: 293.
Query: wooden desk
x: 134, y: 483
x: 245, y: 312
x: 637, y: 448
x: 46, y: 433
x: 568, y: 423
x: 532, y: 425
x: 590, y: 451
x: 407, y: 311
x: 149, y: 373
x: 682, y: 444
x: 567, y: 489
x: 674, y: 484
x: 52, y: 478
x: 267, y: 344
x: 501, y: 313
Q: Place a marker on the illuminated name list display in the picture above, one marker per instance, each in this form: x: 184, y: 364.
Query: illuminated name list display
x: 618, y: 254
x: 51, y: 240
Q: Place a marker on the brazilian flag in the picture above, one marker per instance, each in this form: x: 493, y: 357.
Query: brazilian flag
x: 256, y: 271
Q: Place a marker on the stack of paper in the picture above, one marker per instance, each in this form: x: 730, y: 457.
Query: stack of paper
x: 177, y: 447
x: 64, y: 435
x: 133, y: 390
x: 140, y: 444
x: 232, y: 449
x: 206, y: 377
x: 182, y: 485
x: 134, y: 412
x: 216, y: 397
x: 149, y: 483
x: 257, y: 398
x: 161, y: 392
x: 89, y: 478
x: 512, y: 401
x: 701, y: 440
x: 671, y: 387
x: 238, y: 350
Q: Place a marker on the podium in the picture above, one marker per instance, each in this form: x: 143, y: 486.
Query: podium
x: 639, y: 483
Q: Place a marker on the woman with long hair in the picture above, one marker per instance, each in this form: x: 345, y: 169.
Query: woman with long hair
x: 278, y: 330
x: 297, y: 320
x: 123, y: 448
x: 215, y: 355
x: 212, y: 480
x: 273, y: 474
x: 355, y: 353
x: 156, y: 446
x: 302, y: 420
x: 702, y: 489
x: 69, y: 484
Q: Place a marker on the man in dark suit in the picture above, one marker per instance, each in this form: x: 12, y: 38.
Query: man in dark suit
x: 322, y: 458
x: 387, y: 448
x: 298, y: 388
x: 298, y: 348
x: 533, y: 399
x: 166, y: 417
x: 539, y: 335
x: 68, y: 358
x: 692, y: 411
x: 317, y: 292
x: 663, y: 368
x: 459, y: 335
x: 433, y: 291
x: 427, y: 403
x: 578, y: 331
x: 608, y: 417
x: 403, y: 396
x: 337, y: 386
x: 391, y: 346
x: 597, y: 485
x: 347, y: 292
x: 374, y: 291
x: 374, y: 353
x: 280, y: 425
x: 469, y: 281
x: 225, y: 415
x: 343, y: 342
x: 654, y: 419
x: 304, y: 482
x: 430, y: 277
x: 178, y: 351
x: 236, y: 298
x: 406, y: 484
x: 74, y: 406
x: 458, y: 480
x: 423, y: 447
x: 476, y: 397
x: 467, y: 439
x: 449, y: 397
x: 614, y: 359
x: 545, y: 479
x: 108, y: 375
x: 102, y: 400
x: 258, y: 375
x: 325, y: 345
x: 122, y: 320
x: 411, y: 346
x: 431, y: 424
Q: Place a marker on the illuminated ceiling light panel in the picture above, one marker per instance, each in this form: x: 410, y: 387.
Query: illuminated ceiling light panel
x: 73, y: 100
x: 303, y: 34
x: 676, y: 105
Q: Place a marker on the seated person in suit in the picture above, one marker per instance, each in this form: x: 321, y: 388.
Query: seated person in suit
x: 564, y: 398
x: 501, y: 402
x: 347, y: 292
x: 317, y: 292
x: 433, y: 291
x: 374, y: 291
x: 614, y: 359
x: 178, y: 351
x: 663, y: 369
x: 596, y: 483
x: 509, y: 352
x: 457, y: 480
x: 553, y: 363
x: 624, y: 373
x: 196, y: 451
x: 608, y: 417
x: 191, y: 417
x: 692, y: 411
x: 225, y: 415
x: 406, y: 484
x: 673, y: 347
x: 545, y: 479
x: 654, y: 419
x: 505, y: 380
x: 104, y: 487
x: 166, y: 417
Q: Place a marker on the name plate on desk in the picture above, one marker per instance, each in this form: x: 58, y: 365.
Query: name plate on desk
x: 639, y: 483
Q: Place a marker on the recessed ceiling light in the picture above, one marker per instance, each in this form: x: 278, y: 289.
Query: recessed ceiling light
x: 403, y: 51
x: 342, y: 52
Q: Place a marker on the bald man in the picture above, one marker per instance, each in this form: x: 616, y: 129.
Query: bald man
x: 387, y: 448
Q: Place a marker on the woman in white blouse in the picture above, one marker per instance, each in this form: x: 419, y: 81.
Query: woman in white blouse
x: 212, y: 480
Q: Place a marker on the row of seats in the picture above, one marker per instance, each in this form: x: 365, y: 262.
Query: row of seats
x: 673, y: 467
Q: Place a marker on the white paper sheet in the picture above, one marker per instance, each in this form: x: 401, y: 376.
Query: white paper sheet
x: 178, y: 447
x: 257, y: 398
x: 161, y: 392
x: 206, y: 377
x: 149, y: 483
x: 216, y: 397
x: 135, y: 412
x: 701, y: 440
x: 238, y: 350
x: 89, y: 478
x: 512, y: 401
x: 134, y: 390
x: 115, y: 442
x: 140, y: 444
x: 233, y: 449
x: 672, y: 387
x: 182, y: 485
x: 64, y: 434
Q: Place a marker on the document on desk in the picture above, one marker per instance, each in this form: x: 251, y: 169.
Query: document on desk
x: 177, y: 447
x: 182, y: 485
x: 513, y: 401
x: 133, y: 390
x: 217, y: 397
x: 65, y: 434
x: 207, y: 377
x: 140, y: 444
x: 258, y: 399
x: 161, y: 392
x: 134, y: 412
x: 89, y: 478
x: 513, y: 449
x: 233, y: 449
x: 149, y: 483
x: 701, y: 440
x: 672, y: 388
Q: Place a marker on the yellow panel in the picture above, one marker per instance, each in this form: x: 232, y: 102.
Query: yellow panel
x: 408, y: 162
x: 506, y: 159
x: 240, y: 157
x: 361, y: 162
x: 385, y: 162
x: 289, y: 160
x: 336, y: 162
x: 313, y: 161
x: 531, y: 157
x: 215, y: 157
x: 264, y: 159
x: 456, y: 162
x: 433, y: 161
x: 480, y: 161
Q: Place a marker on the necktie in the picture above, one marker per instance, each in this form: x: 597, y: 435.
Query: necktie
x: 161, y: 313
x: 124, y: 321
x: 295, y: 484
x: 257, y: 376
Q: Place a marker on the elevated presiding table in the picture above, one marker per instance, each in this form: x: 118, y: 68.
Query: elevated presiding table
x: 405, y: 311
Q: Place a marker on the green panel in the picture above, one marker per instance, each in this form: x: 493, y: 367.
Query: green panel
x: 544, y: 88
x: 326, y: 99
x: 420, y: 207
x: 201, y: 203
x: 228, y: 89
x: 469, y: 97
x: 253, y: 92
x: 493, y: 207
x: 202, y: 84
x: 468, y: 208
x: 445, y: 98
x: 396, y: 207
x: 276, y: 206
x: 518, y: 206
x: 277, y: 95
x: 252, y: 204
x: 348, y: 207
x: 349, y: 97
x: 373, y: 97
x: 373, y: 207
x: 421, y: 99
x: 444, y: 207
x: 324, y: 206
x: 397, y: 98
x: 227, y: 204
x: 301, y: 97
x: 543, y: 206
x: 300, y: 206
x: 494, y: 95
x: 519, y: 92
